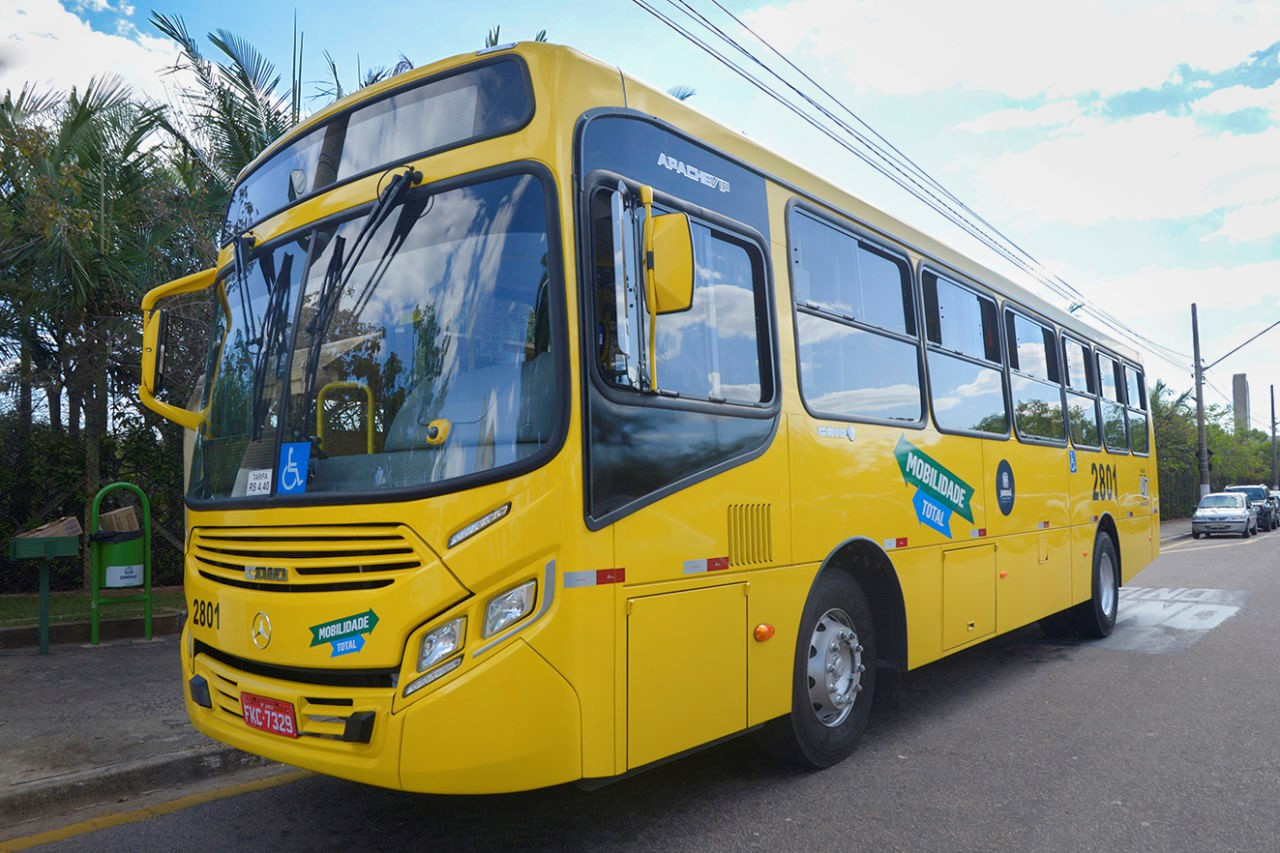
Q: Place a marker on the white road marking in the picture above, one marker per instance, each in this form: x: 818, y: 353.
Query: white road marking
x: 1163, y: 621
x: 1193, y: 545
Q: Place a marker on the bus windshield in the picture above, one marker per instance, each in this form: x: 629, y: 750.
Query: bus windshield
x: 412, y: 352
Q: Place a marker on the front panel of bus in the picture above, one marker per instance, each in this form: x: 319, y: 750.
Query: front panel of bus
x: 385, y: 499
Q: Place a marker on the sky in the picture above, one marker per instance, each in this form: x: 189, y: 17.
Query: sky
x: 1132, y: 147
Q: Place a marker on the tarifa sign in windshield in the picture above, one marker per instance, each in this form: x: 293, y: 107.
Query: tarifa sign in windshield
x: 939, y: 492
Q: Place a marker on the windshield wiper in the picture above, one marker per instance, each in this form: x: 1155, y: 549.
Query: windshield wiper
x: 240, y: 248
x: 273, y: 331
x: 340, y: 268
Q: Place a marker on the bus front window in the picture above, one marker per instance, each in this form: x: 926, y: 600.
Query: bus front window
x: 421, y: 352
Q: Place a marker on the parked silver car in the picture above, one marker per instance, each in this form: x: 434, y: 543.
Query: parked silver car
x: 1224, y: 512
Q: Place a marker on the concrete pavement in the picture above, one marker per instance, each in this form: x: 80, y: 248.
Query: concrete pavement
x: 85, y: 725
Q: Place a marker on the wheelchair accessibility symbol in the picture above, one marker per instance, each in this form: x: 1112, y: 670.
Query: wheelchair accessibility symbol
x: 294, y: 457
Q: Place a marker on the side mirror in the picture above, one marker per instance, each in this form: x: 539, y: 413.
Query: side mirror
x: 670, y: 260
x: 154, y: 334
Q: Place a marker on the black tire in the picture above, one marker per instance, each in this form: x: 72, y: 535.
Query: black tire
x: 1096, y: 617
x: 835, y: 627
x: 1195, y: 535
x: 1245, y: 535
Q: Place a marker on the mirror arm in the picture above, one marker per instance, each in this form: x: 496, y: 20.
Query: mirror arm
x: 650, y: 286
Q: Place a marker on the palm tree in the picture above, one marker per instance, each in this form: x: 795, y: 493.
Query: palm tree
x: 233, y: 111
x: 491, y: 38
x: 78, y: 170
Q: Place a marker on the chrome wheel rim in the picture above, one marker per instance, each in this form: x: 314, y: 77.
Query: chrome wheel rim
x: 1107, y: 581
x: 835, y: 667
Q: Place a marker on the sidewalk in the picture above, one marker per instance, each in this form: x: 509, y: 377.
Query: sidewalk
x: 1173, y: 529
x: 85, y: 725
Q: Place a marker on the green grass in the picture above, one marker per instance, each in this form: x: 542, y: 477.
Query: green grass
x: 21, y: 610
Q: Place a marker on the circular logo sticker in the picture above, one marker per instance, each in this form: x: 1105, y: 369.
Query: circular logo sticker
x: 1004, y: 486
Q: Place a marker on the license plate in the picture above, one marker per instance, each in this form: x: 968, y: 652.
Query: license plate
x: 270, y: 715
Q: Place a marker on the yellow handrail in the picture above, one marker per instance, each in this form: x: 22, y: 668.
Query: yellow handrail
x: 338, y: 386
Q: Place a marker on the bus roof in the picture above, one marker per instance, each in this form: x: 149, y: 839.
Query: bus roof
x: 637, y: 95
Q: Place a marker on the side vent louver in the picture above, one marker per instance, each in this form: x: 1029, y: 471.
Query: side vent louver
x: 750, y: 534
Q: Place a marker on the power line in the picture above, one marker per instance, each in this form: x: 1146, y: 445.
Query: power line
x: 888, y: 160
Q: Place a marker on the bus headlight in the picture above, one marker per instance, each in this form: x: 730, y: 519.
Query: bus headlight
x: 509, y: 607
x: 438, y: 643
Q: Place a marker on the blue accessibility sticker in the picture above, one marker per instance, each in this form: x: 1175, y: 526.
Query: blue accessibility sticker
x: 932, y: 513
x: 294, y: 458
x: 1071, y: 455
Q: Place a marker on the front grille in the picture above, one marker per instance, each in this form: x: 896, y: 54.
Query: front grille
x: 322, y: 718
x: 348, y: 678
x: 306, y: 559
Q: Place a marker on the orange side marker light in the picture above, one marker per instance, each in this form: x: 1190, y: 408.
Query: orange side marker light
x: 763, y: 632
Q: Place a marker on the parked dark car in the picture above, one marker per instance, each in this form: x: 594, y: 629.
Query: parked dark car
x: 1260, y: 497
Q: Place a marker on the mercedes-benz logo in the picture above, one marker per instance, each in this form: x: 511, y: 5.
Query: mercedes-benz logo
x: 261, y: 630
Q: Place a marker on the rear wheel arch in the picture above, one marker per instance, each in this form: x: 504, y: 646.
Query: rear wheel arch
x: 867, y: 563
x: 1107, y: 525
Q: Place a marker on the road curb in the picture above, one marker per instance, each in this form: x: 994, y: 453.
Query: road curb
x: 61, y: 633
x: 61, y: 794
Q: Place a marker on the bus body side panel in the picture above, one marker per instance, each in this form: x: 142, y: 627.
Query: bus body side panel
x: 699, y: 550
x: 1028, y: 518
x: 873, y: 485
x: 1086, y: 513
x: 1143, y: 521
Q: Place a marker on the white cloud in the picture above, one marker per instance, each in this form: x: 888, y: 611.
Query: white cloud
x: 1251, y: 222
x: 1054, y: 114
x: 1235, y: 98
x: 43, y: 43
x: 1147, y: 168
x: 1014, y: 47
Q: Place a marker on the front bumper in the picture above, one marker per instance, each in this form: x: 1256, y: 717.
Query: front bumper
x: 1219, y: 526
x: 510, y: 723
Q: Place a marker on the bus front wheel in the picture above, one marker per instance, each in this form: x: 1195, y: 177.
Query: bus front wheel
x: 833, y: 679
x: 1096, y: 617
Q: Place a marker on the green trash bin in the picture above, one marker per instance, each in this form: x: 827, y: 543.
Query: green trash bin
x: 121, y: 560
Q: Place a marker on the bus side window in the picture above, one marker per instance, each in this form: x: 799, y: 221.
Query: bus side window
x: 716, y: 350
x: 855, y: 326
x: 1114, y: 430
x: 966, y: 381
x: 1136, y: 400
x: 1034, y: 379
x: 1082, y: 403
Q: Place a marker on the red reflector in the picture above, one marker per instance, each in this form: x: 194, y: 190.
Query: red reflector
x: 611, y: 575
x: 717, y: 564
x: 901, y: 542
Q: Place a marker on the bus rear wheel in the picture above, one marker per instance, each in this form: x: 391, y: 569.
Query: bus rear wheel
x: 833, y: 679
x: 1096, y: 617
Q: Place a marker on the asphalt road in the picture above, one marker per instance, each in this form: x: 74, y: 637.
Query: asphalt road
x: 1162, y: 737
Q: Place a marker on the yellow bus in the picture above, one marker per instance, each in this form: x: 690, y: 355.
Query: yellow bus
x: 549, y: 429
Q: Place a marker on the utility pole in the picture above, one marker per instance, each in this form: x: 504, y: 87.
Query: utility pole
x: 1198, y: 370
x: 1203, y: 440
x: 1275, y: 483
